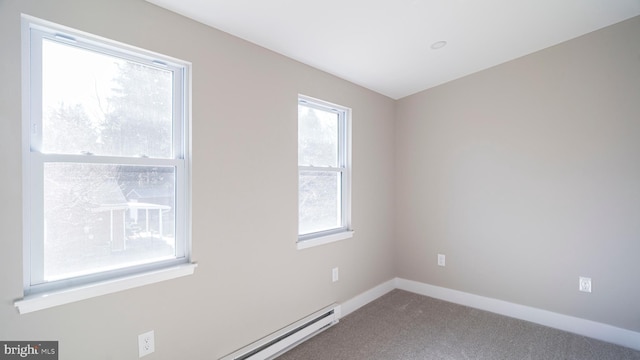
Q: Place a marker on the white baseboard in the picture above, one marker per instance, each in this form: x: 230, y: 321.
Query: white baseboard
x: 366, y: 297
x: 572, y: 324
x: 567, y: 323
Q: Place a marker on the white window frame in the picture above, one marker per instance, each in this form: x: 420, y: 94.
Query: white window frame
x: 344, y: 168
x: 38, y: 294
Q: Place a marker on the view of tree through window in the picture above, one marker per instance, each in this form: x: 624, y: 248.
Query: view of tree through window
x: 104, y: 105
x: 320, y: 177
x: 105, y: 214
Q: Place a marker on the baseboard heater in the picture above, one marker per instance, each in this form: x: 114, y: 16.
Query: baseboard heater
x: 284, y: 339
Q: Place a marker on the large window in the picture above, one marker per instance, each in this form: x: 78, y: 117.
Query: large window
x: 106, y: 159
x: 323, y: 171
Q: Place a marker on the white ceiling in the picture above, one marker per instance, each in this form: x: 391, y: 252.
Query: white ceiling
x: 385, y: 45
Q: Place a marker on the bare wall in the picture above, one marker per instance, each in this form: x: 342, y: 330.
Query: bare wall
x: 251, y: 280
x: 526, y: 176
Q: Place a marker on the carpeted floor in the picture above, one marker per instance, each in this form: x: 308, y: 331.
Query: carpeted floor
x: 405, y: 326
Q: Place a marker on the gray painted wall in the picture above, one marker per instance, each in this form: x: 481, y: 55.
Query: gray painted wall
x: 527, y: 176
x: 251, y: 280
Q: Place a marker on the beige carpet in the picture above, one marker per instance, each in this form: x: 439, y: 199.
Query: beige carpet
x: 403, y: 325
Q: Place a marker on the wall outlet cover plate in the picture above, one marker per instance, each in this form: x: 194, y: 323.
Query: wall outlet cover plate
x: 585, y: 284
x: 441, y: 260
x: 146, y: 343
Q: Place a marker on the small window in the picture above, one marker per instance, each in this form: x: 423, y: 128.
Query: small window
x: 324, y: 182
x: 106, y: 152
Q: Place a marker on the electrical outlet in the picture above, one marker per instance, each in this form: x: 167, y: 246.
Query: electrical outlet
x: 146, y: 343
x: 585, y: 284
x: 335, y: 275
x: 441, y: 260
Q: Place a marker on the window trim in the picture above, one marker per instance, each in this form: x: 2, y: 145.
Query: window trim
x: 344, y: 167
x: 324, y: 239
x: 53, y: 298
x: 73, y: 289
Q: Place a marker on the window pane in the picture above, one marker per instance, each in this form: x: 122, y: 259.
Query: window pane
x: 319, y: 201
x: 102, y: 104
x: 317, y: 137
x: 101, y: 217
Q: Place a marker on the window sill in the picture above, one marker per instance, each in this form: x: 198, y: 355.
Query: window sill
x: 305, y: 244
x: 54, y: 298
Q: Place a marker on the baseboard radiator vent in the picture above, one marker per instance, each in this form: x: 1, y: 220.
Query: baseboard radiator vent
x: 284, y: 339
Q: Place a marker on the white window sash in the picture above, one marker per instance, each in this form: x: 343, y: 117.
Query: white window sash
x: 34, y: 31
x: 344, y: 168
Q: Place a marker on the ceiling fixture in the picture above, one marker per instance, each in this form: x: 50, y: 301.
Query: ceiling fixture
x: 438, y: 45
